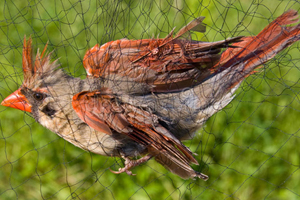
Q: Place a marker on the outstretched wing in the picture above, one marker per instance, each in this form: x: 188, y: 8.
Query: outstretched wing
x: 165, y: 64
x: 101, y: 111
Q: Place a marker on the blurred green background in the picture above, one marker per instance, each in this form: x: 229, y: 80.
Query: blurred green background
x: 250, y: 150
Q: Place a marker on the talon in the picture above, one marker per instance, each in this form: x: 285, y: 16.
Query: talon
x: 115, y: 172
x: 130, y: 164
x: 121, y: 170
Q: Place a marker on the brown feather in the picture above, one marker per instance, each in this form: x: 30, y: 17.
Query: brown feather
x: 254, y: 51
x: 33, y: 71
x: 101, y: 110
x: 27, y: 60
x: 154, y: 61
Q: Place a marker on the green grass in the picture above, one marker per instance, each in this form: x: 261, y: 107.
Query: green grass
x: 250, y: 150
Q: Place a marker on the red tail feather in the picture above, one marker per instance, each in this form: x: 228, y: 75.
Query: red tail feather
x: 254, y: 51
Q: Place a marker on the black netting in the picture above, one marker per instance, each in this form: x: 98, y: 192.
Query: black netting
x: 250, y: 149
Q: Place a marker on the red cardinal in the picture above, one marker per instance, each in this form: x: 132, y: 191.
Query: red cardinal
x: 141, y: 98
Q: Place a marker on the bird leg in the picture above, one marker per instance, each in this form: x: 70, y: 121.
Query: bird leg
x: 131, y: 163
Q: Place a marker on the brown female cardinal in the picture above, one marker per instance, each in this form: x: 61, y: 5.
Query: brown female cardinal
x: 141, y: 98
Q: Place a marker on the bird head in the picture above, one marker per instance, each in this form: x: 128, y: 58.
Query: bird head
x: 40, y: 77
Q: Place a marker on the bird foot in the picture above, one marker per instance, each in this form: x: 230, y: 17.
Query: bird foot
x: 130, y: 164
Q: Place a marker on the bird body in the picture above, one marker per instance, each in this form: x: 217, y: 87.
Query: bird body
x: 141, y: 98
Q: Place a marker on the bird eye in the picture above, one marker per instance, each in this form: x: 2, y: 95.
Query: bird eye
x: 38, y: 96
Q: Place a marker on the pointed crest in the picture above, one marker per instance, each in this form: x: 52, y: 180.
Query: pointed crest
x: 32, y: 71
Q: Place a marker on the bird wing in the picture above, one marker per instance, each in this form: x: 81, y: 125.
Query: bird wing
x: 101, y: 111
x: 165, y: 64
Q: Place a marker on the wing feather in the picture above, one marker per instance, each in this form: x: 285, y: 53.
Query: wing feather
x: 101, y: 111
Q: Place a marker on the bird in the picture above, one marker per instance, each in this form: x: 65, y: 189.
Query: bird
x: 142, y: 98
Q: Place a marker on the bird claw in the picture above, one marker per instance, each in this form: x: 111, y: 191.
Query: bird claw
x: 130, y: 164
x: 121, y: 170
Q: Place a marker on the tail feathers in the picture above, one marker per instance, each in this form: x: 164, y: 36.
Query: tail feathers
x: 232, y: 52
x: 182, y: 169
x: 239, y: 62
x: 254, y: 51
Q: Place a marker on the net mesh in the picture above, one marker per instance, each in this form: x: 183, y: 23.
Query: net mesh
x: 250, y: 149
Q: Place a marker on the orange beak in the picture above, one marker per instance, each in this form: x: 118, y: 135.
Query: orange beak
x: 17, y: 100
